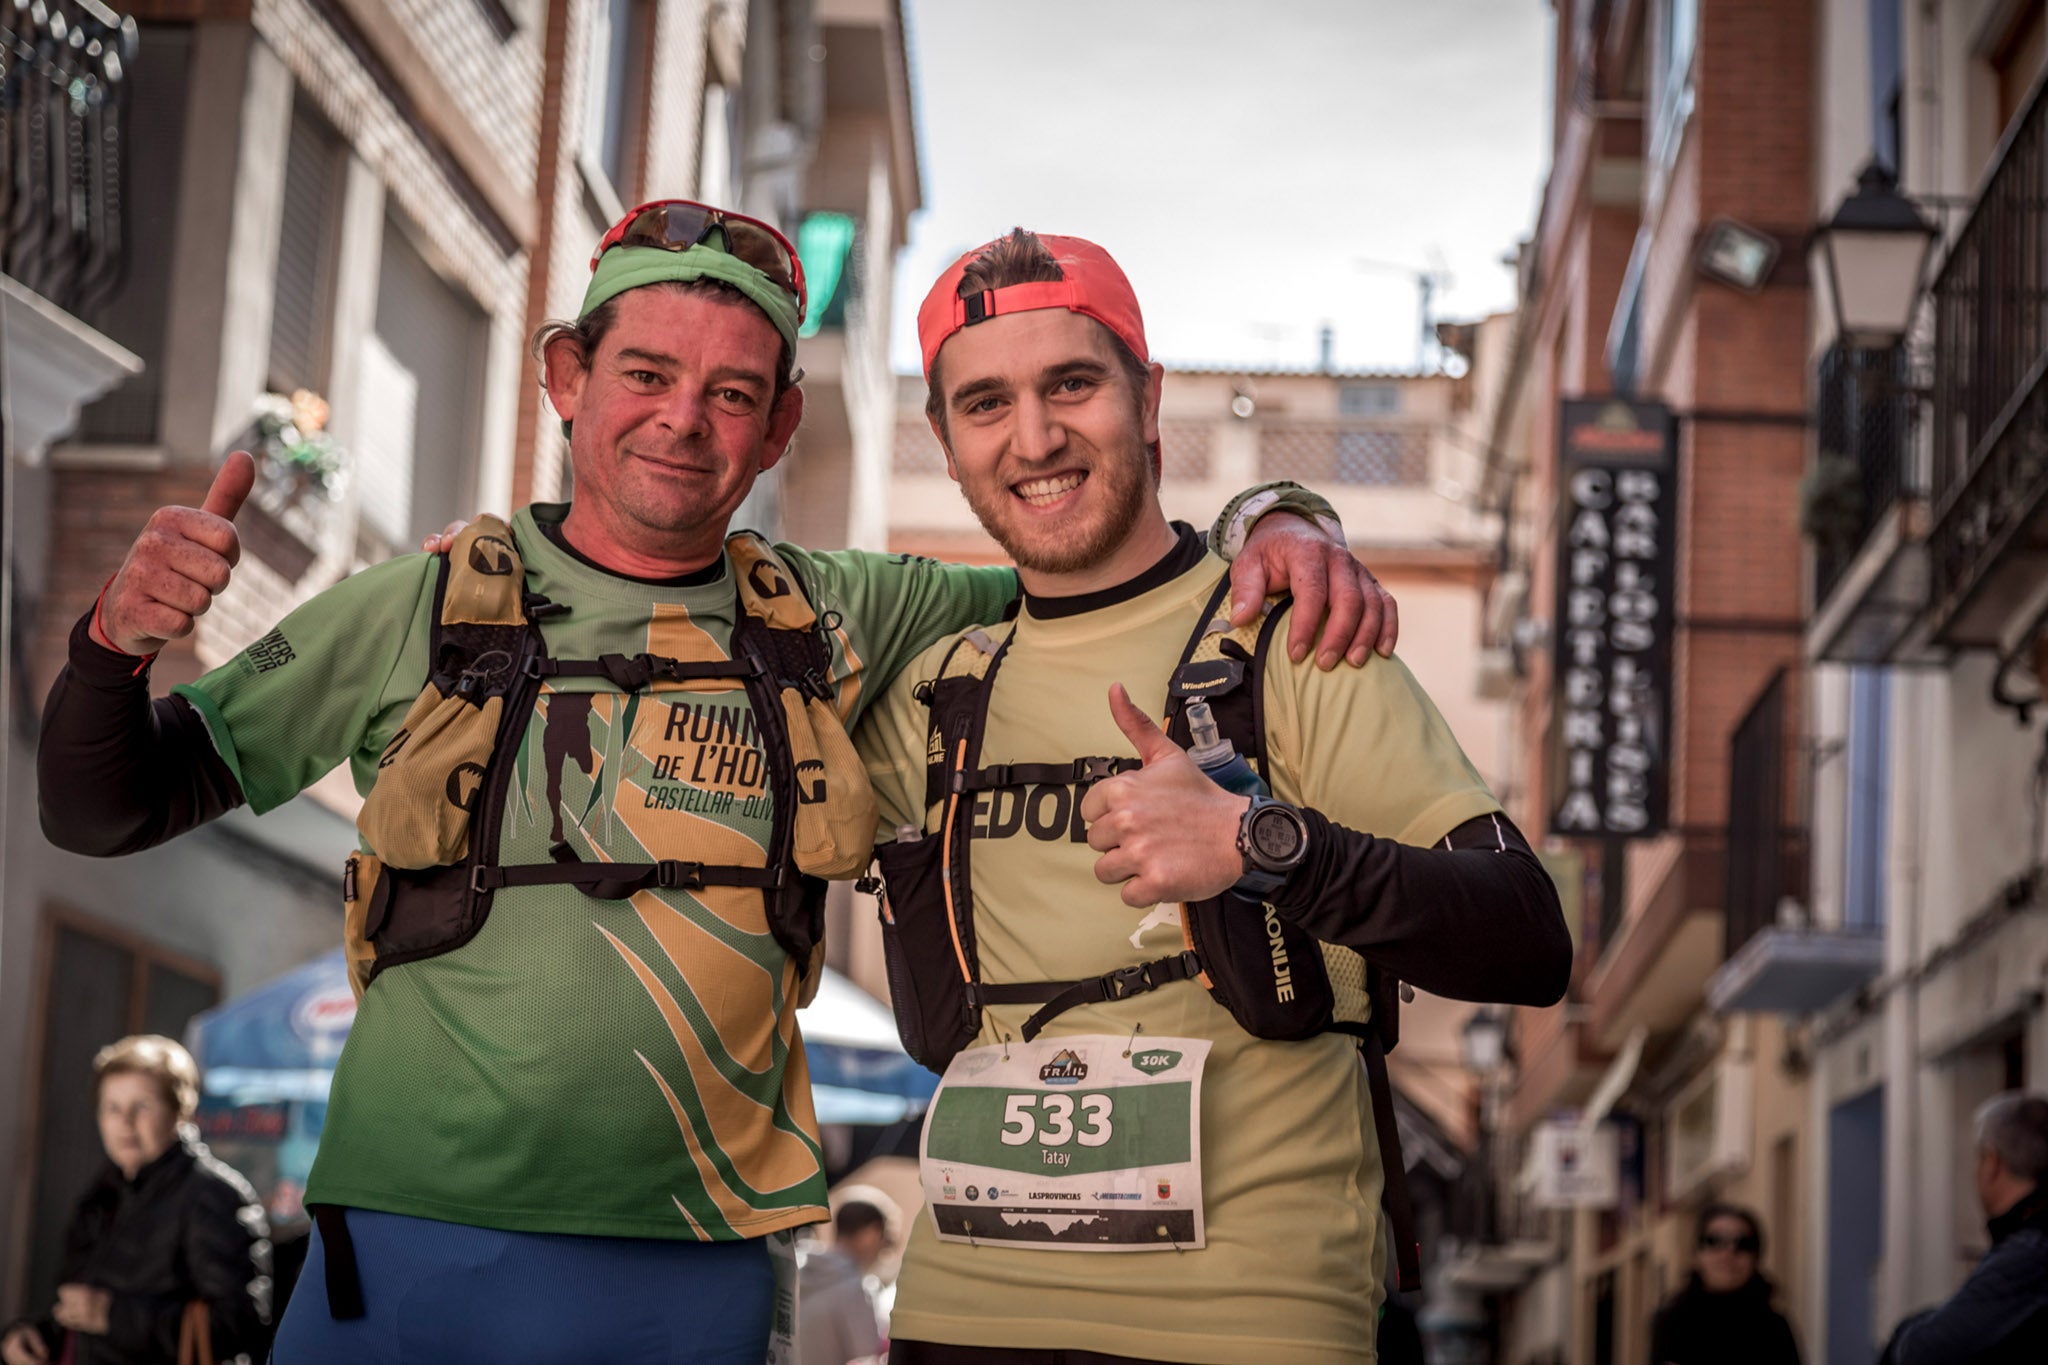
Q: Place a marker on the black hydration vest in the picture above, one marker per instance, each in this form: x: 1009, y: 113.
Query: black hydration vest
x: 1275, y: 979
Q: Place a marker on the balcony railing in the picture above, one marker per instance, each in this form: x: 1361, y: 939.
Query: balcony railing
x: 1862, y: 415
x: 1991, y: 351
x: 1350, y: 453
x: 63, y: 86
x: 1766, y: 855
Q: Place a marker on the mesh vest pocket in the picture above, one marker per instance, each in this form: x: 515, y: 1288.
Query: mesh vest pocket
x: 429, y: 780
x: 835, y: 805
x: 1262, y: 969
x: 927, y: 989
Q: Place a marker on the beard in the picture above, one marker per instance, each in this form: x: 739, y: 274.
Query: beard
x: 1116, y: 494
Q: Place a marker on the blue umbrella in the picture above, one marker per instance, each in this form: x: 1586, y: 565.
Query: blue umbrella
x: 280, y: 1042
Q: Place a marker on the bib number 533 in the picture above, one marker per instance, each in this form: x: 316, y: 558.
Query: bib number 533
x: 1051, y: 1120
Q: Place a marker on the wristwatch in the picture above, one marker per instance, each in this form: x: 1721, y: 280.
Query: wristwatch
x: 1272, y: 839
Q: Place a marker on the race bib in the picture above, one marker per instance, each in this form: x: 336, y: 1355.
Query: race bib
x: 1085, y: 1143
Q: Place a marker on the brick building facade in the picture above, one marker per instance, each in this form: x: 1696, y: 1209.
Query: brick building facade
x: 1672, y: 118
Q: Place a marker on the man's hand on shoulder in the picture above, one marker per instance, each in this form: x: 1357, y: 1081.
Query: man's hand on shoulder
x: 1166, y: 831
x: 176, y: 567
x: 1331, y: 589
x: 443, y: 541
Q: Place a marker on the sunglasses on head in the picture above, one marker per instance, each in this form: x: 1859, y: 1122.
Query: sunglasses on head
x: 680, y: 225
x: 1717, y: 1241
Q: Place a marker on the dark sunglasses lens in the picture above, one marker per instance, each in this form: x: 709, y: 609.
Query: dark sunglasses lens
x: 671, y: 227
x: 759, y: 249
x: 1712, y: 1243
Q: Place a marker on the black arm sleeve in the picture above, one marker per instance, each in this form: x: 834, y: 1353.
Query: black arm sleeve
x: 1474, y: 917
x: 116, y: 772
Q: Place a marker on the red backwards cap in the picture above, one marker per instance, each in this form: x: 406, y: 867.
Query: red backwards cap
x: 1094, y: 286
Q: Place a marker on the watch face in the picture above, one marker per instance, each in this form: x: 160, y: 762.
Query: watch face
x: 1275, y: 838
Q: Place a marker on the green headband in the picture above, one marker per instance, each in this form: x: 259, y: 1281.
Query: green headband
x: 630, y: 267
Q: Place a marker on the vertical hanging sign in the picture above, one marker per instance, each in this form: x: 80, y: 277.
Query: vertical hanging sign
x: 1616, y: 538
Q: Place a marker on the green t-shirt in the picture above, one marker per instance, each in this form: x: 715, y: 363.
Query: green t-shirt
x: 626, y: 1068
x: 1290, y: 1167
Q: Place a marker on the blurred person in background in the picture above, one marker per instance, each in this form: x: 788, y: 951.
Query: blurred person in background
x: 836, y: 1319
x: 1724, y: 1313
x: 2000, y: 1315
x: 163, y: 1226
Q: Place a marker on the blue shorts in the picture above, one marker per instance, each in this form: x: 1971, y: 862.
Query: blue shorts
x: 444, y: 1294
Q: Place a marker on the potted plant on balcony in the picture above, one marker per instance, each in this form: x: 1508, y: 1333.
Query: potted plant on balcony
x: 1831, y: 503
x: 298, y: 466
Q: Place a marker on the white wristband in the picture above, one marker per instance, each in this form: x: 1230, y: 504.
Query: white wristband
x: 1241, y: 524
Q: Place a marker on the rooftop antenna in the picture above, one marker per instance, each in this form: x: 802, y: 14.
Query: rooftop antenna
x: 1429, y: 353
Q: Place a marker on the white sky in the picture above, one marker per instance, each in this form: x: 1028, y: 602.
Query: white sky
x: 1238, y: 159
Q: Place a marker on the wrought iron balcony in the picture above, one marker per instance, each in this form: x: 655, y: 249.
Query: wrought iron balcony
x: 1866, y: 506
x: 1990, y: 396
x: 1776, y: 964
x: 1766, y: 855
x: 63, y: 85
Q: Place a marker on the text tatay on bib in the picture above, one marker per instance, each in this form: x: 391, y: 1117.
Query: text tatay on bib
x: 1083, y: 1143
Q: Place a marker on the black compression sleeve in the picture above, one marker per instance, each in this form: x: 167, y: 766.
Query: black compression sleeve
x: 1474, y: 917
x: 116, y: 772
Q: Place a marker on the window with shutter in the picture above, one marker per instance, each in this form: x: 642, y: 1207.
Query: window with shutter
x: 305, y: 255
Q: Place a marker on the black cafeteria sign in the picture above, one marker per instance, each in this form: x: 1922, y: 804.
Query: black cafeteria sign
x: 1612, y: 626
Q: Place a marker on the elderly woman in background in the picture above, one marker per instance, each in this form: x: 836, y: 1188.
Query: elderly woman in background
x: 163, y: 1226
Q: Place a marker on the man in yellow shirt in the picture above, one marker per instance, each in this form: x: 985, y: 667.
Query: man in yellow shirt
x: 1097, y: 1097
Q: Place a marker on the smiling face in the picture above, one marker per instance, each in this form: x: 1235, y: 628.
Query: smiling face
x: 138, y: 1122
x: 1047, y: 439
x: 674, y: 418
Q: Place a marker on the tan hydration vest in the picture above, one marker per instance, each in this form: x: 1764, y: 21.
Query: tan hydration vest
x: 434, y: 815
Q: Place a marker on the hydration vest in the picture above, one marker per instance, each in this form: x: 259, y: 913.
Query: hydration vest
x: 434, y: 816
x: 1275, y: 979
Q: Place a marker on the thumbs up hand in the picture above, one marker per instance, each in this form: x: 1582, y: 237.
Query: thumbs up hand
x: 176, y: 567
x: 1166, y: 831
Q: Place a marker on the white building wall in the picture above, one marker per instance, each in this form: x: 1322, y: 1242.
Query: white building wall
x: 1960, y: 975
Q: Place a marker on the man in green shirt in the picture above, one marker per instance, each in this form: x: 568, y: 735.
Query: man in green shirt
x: 619, y: 1060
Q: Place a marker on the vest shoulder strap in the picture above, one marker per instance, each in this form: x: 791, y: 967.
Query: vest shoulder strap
x: 958, y: 699
x: 777, y: 619
x: 1224, y: 665
x: 769, y: 586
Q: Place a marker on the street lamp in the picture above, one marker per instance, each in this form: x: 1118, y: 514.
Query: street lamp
x: 1875, y: 247
x: 1485, y: 1041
